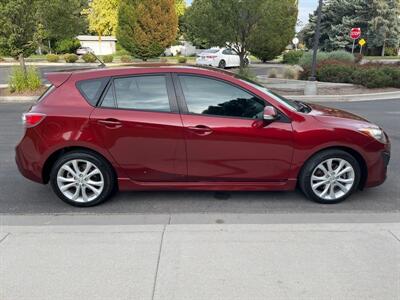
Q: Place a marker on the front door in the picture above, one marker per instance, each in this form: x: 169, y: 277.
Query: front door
x: 226, y: 138
x: 141, y: 128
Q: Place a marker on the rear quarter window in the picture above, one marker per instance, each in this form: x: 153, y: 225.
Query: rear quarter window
x: 92, y: 89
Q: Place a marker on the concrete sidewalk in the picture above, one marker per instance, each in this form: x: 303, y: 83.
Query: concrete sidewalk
x: 270, y: 261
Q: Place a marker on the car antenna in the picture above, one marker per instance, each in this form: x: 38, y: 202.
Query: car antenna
x: 102, y: 64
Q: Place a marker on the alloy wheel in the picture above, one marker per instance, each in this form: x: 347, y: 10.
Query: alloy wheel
x: 332, y: 179
x: 80, y: 180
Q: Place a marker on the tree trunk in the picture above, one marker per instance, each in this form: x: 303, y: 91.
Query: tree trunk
x: 22, y: 62
x: 242, y: 60
x: 383, y: 48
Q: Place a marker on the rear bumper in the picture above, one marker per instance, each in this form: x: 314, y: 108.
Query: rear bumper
x: 211, y: 63
x: 28, y: 158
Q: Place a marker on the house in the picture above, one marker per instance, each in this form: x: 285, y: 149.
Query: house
x: 103, y: 46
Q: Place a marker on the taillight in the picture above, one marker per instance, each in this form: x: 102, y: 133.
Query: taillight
x: 32, y: 119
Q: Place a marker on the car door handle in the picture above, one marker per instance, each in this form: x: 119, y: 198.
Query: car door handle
x: 200, y: 130
x: 110, y: 123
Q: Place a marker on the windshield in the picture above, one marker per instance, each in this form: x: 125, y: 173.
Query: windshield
x: 211, y: 51
x: 287, y: 102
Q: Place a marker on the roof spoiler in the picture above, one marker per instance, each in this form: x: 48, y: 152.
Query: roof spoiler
x: 58, y: 78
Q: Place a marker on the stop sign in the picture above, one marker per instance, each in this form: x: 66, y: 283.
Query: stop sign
x: 355, y: 33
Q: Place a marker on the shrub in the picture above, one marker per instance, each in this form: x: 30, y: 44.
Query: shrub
x: 247, y: 74
x: 108, y: 58
x: 306, y: 58
x: 341, y: 55
x: 292, y: 57
x: 182, y: 60
x: 290, y: 73
x: 371, y: 78
x: 70, y: 58
x: 52, y: 57
x: 89, y: 58
x: 273, y: 73
x: 67, y: 46
x: 394, y: 74
x: 126, y: 58
x: 390, y: 51
x: 335, y: 72
x: 21, y: 82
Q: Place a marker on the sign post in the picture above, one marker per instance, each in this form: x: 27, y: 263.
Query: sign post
x: 361, y: 43
x: 355, y: 33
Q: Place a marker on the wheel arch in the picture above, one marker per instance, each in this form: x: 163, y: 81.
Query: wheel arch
x: 360, y: 159
x: 48, y: 165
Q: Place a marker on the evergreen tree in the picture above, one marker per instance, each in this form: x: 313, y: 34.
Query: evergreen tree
x: 378, y: 20
x: 384, y: 25
x: 147, y: 27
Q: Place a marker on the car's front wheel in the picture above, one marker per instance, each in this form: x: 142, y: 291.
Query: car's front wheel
x: 330, y: 176
x: 82, y: 179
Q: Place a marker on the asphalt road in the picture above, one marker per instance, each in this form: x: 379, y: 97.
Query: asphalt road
x: 20, y: 196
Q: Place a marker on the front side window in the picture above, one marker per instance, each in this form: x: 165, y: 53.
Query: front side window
x: 214, y: 97
x: 139, y: 92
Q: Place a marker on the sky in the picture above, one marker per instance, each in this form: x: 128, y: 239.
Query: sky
x: 305, y: 8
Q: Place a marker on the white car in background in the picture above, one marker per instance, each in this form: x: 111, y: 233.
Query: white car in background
x: 219, y: 58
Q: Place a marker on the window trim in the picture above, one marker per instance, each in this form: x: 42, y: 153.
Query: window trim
x: 169, y: 86
x: 183, y: 108
x: 104, y: 82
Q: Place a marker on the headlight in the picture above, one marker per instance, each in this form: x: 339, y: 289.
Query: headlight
x: 376, y: 133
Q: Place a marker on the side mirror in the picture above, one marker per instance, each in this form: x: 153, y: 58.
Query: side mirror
x: 270, y: 113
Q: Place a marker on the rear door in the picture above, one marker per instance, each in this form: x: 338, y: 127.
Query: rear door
x: 138, y: 121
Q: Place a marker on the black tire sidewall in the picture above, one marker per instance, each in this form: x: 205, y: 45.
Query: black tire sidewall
x: 222, y: 64
x: 101, y: 164
x: 311, y: 164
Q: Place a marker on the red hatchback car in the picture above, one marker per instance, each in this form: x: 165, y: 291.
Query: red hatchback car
x: 172, y: 128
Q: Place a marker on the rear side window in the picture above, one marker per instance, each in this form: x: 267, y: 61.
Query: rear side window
x: 91, y: 89
x: 139, y: 92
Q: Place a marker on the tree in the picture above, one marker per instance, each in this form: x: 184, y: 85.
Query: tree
x: 61, y: 19
x: 17, y: 28
x: 238, y: 24
x: 146, y: 27
x: 384, y: 26
x: 378, y: 20
x: 180, y: 7
x: 275, y: 31
x: 103, y: 17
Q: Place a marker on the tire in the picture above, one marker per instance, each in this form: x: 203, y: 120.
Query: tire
x: 102, y: 182
x: 246, y: 62
x: 222, y: 64
x: 342, y: 185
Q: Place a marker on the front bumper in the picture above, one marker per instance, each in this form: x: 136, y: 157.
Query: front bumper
x: 378, y: 166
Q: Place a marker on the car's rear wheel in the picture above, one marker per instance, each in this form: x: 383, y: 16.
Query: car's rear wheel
x: 82, y: 179
x: 330, y: 176
x: 222, y: 64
